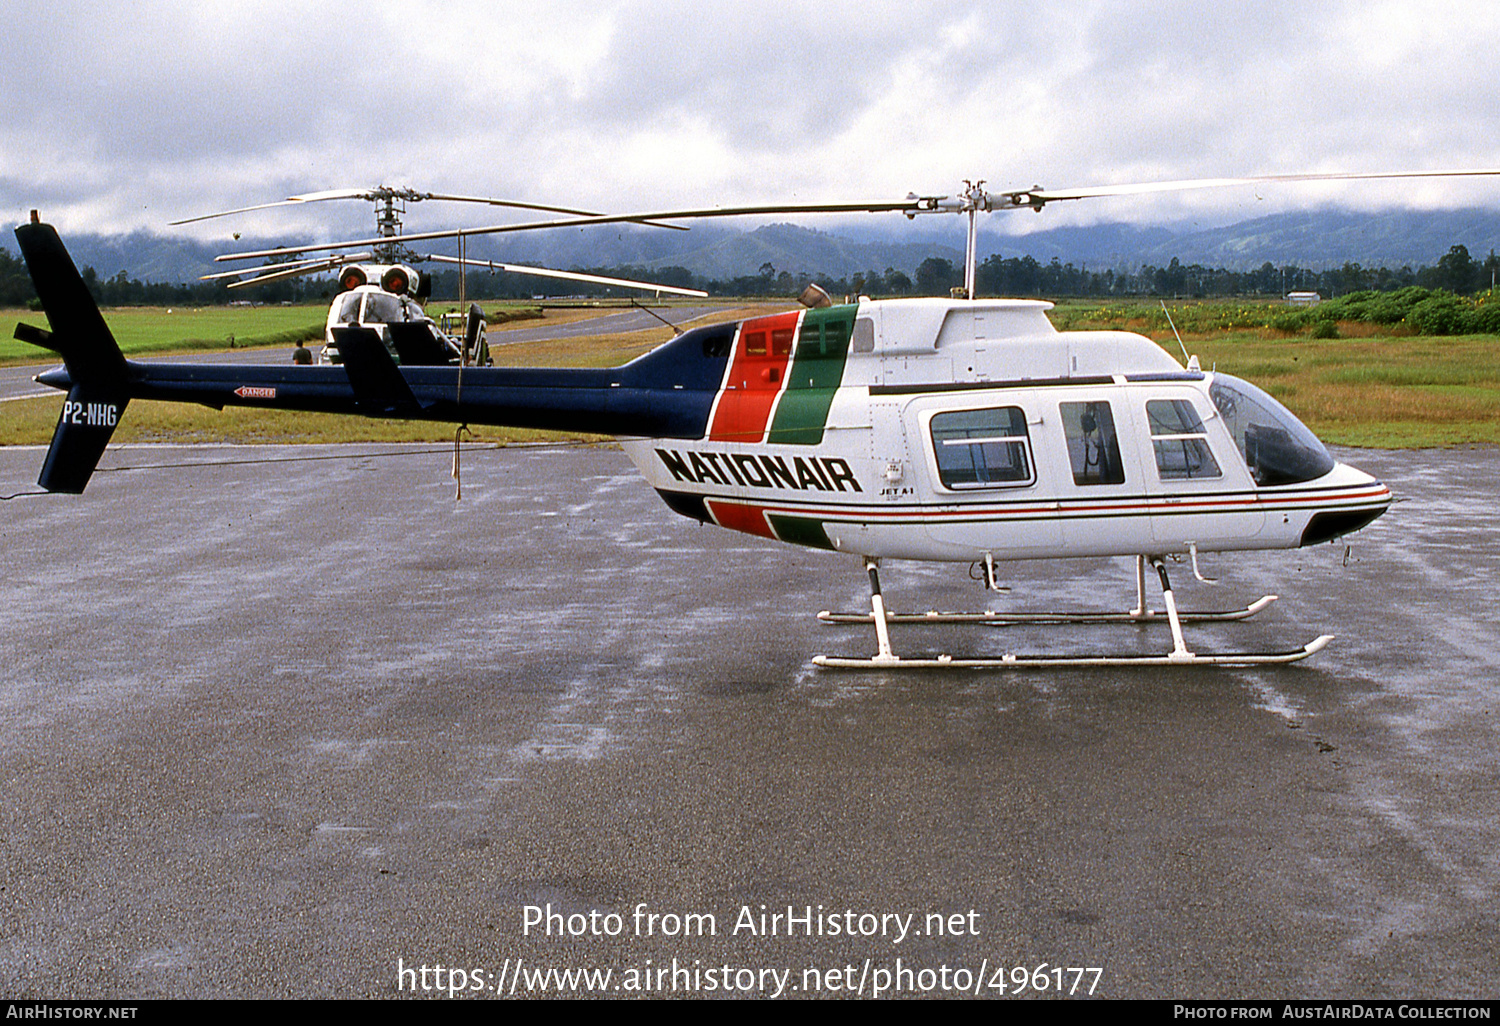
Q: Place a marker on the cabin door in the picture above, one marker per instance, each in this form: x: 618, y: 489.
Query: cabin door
x: 980, y: 474
x: 1201, y: 492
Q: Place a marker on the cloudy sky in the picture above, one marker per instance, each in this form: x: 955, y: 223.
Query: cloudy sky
x: 117, y: 116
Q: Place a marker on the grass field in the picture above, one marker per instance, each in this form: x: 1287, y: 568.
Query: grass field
x: 155, y: 329
x: 1369, y: 387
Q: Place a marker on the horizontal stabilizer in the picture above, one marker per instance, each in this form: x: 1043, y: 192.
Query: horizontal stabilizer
x: 34, y: 336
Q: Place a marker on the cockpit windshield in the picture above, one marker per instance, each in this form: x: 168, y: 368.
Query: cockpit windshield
x: 1277, y: 447
x: 382, y: 308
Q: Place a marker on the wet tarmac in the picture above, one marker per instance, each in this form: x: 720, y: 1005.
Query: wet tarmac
x: 293, y: 723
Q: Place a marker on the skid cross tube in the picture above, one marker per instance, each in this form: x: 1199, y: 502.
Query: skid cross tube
x: 1142, y: 613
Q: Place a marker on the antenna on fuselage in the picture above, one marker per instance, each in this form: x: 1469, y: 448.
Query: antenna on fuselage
x: 1187, y: 361
x: 646, y: 309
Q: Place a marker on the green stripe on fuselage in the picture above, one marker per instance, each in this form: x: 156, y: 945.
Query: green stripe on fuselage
x: 800, y: 531
x: 816, y: 372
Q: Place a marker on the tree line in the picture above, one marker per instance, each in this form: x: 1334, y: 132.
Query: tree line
x: 1456, y: 272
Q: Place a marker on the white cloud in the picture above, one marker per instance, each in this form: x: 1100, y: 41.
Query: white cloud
x: 116, y: 116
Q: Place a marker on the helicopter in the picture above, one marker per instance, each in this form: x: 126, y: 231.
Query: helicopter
x: 961, y: 430
x: 379, y: 291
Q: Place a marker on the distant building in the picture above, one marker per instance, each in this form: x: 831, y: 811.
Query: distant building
x: 1303, y: 298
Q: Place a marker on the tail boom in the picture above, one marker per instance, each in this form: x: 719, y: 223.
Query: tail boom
x: 668, y: 393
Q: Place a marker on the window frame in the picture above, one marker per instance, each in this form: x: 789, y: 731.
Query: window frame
x: 1200, y: 436
x: 1023, y: 440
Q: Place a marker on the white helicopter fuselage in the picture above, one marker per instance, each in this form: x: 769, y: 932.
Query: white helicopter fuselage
x: 921, y: 429
x: 965, y: 430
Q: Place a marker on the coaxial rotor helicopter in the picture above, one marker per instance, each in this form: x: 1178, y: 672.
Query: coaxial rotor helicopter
x: 962, y: 430
x: 381, y: 291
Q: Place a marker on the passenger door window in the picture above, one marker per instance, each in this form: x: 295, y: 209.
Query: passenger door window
x: 982, y: 448
x: 1093, y: 445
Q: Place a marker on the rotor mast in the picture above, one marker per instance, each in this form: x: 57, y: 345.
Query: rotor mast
x: 973, y: 194
x: 972, y: 202
x: 389, y: 208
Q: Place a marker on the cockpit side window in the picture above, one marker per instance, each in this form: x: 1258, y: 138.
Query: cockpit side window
x: 1180, y: 441
x: 349, y: 308
x: 1277, y: 447
x: 1093, y: 446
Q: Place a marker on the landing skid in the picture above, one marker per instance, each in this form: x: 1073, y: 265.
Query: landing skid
x: 1022, y: 662
x: 990, y: 616
x: 886, y: 659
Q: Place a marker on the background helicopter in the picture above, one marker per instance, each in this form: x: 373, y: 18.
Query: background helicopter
x: 381, y: 291
x: 961, y: 430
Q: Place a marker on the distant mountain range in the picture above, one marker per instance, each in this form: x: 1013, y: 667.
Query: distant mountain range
x: 1316, y: 240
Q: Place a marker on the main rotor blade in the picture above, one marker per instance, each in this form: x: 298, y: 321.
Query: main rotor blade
x: 236, y: 210
x: 307, y: 197
x: 1139, y: 188
x: 410, y: 195
x: 1033, y: 198
x: 518, y: 205
x: 378, y: 193
x: 316, y: 264
x: 911, y: 204
x: 294, y: 271
x: 546, y: 272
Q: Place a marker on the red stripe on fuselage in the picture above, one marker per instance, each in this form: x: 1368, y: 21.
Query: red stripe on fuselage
x: 757, y: 374
x: 750, y: 519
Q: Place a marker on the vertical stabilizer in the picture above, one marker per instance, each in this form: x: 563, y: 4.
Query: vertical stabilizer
x: 98, y: 373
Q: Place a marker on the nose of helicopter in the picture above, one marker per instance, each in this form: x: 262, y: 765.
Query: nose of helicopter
x: 1346, y: 499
